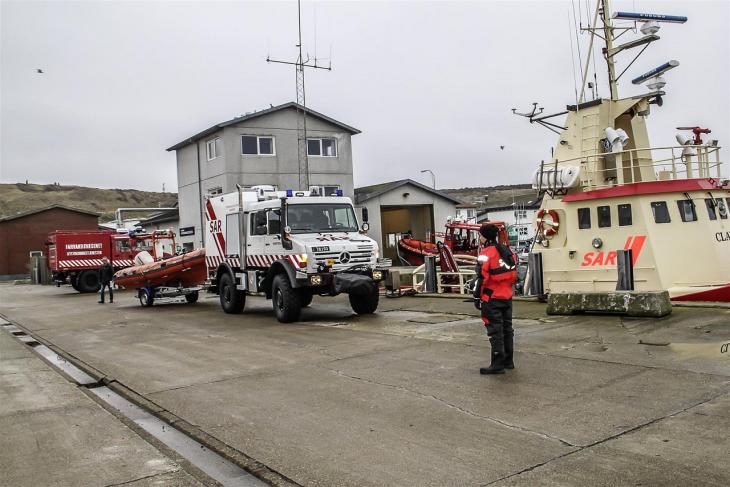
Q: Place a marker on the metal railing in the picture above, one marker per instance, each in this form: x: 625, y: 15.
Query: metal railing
x: 610, y: 169
x: 419, y: 279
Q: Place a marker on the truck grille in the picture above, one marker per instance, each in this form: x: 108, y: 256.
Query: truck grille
x: 362, y: 255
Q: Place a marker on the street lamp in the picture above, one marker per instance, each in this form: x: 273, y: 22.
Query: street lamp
x: 433, y: 178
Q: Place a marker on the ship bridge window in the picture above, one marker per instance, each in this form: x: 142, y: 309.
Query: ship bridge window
x: 584, y: 218
x: 604, y: 216
x: 624, y: 215
x: 661, y: 212
x: 687, y: 210
x: 711, y: 209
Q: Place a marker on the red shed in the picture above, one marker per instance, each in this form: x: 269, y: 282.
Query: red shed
x: 27, y: 232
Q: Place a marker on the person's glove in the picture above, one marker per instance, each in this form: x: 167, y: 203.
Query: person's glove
x: 478, y: 303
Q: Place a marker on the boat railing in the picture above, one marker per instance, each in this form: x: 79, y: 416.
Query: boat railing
x: 610, y: 169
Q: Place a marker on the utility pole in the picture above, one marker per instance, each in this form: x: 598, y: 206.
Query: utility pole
x: 300, y: 64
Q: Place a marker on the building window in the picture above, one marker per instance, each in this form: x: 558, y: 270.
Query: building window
x: 711, y: 211
x: 624, y: 215
x: 215, y: 191
x: 584, y: 218
x: 256, y: 145
x: 213, y: 148
x: 687, y: 210
x: 322, y: 147
x: 661, y: 212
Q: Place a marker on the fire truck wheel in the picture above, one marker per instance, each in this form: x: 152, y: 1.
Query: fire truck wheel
x: 287, y: 301
x: 88, y: 282
x: 232, y: 300
x: 365, y: 304
x: 192, y: 297
x: 73, y: 280
x: 306, y: 298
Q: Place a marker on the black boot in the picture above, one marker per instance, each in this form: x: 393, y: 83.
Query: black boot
x: 509, y: 353
x: 497, y: 365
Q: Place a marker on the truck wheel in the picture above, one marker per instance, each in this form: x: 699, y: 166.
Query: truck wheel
x: 232, y: 300
x: 88, y: 282
x: 365, y: 304
x: 192, y: 297
x: 305, y: 298
x: 146, y: 297
x: 73, y: 279
x: 287, y: 302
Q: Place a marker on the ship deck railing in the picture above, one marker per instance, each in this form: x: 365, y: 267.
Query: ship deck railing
x: 611, y: 169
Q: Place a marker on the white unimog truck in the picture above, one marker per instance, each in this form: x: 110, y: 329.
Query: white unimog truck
x: 289, y: 246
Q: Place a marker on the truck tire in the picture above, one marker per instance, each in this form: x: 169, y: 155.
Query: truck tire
x: 305, y: 298
x: 232, y: 300
x: 192, y: 297
x: 73, y: 279
x: 287, y: 301
x: 88, y: 282
x: 365, y: 304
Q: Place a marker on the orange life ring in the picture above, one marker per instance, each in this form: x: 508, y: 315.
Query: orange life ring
x: 547, y: 227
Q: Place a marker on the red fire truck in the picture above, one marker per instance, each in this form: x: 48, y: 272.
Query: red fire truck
x: 74, y: 256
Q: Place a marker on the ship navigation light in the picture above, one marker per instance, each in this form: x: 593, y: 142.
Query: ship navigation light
x: 650, y: 27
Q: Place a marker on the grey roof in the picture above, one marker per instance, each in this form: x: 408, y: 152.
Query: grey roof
x: 46, y: 208
x: 249, y: 116
x: 162, y: 217
x: 369, y: 192
x: 528, y: 202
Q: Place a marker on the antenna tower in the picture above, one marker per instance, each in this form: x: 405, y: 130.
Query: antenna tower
x: 300, y: 64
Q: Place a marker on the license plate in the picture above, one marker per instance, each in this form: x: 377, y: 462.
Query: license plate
x: 320, y: 249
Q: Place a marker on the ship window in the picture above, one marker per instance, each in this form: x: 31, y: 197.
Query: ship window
x: 722, y: 208
x: 687, y: 210
x: 711, y: 211
x: 604, y: 216
x: 584, y: 218
x: 661, y: 212
x: 624, y: 215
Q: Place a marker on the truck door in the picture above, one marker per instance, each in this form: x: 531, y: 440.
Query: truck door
x: 257, y: 239
x: 273, y: 233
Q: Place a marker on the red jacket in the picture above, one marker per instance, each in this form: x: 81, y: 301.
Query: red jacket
x: 497, y: 277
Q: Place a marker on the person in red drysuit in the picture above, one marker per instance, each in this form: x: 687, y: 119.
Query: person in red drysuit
x: 496, y: 274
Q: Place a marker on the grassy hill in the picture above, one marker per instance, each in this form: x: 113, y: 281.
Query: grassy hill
x: 19, y: 198
x: 496, y: 195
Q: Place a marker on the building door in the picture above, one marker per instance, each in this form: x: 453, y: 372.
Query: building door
x: 397, y: 221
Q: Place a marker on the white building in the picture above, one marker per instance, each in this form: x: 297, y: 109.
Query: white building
x: 518, y: 216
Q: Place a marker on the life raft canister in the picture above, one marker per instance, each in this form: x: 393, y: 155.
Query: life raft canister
x: 547, y: 223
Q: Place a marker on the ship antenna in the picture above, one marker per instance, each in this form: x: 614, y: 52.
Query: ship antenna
x: 608, y: 37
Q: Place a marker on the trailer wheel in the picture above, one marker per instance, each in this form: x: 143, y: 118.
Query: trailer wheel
x: 232, y: 300
x: 146, y: 297
x: 365, y: 304
x: 287, y: 301
x: 88, y: 282
x: 192, y: 297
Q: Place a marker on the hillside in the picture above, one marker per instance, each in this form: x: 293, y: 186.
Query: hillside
x: 19, y: 198
x: 497, y: 195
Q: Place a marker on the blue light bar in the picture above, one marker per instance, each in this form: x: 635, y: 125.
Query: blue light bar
x: 339, y: 192
x: 655, y: 72
x: 677, y: 19
x: 289, y: 193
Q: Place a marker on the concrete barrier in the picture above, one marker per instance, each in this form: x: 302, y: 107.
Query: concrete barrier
x: 630, y: 303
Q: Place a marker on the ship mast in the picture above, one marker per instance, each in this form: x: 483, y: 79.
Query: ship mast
x: 608, y: 37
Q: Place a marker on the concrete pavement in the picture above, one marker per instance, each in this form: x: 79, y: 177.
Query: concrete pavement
x: 396, y: 398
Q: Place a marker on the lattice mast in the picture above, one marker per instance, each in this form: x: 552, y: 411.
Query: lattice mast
x: 300, y: 64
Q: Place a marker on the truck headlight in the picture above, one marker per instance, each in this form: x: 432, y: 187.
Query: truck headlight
x: 315, y: 280
x: 377, y: 275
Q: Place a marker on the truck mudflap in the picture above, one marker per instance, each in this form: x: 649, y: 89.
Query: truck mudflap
x: 356, y: 284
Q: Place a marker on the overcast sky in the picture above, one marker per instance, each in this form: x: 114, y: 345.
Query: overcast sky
x: 430, y: 84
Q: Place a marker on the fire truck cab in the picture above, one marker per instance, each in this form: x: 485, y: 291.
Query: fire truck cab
x: 289, y: 246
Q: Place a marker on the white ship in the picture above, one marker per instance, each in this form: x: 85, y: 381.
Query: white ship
x: 608, y: 190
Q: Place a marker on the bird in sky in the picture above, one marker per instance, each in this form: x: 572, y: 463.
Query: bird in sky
x: 501, y: 147
x: 39, y: 71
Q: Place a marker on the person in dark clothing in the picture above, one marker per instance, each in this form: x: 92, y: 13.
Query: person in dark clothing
x: 496, y: 274
x: 106, y: 274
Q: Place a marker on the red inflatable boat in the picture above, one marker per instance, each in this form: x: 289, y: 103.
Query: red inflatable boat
x: 185, y: 270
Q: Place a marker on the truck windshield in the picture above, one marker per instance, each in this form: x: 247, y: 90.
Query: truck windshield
x: 321, y: 217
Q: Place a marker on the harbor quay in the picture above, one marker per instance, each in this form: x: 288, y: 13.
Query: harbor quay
x: 391, y: 398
